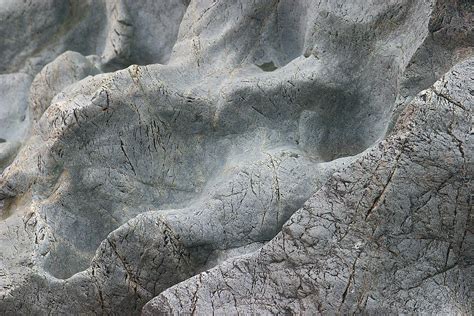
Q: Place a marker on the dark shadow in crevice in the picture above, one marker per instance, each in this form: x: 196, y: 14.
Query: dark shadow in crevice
x: 270, y: 66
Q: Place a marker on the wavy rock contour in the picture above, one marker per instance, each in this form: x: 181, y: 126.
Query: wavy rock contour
x: 229, y: 157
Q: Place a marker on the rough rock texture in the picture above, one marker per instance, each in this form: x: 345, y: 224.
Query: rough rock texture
x: 65, y: 70
x: 266, y: 157
x: 391, y: 233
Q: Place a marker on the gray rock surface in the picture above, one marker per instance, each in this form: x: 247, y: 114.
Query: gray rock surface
x: 389, y: 234
x: 119, y: 31
x: 235, y: 156
x: 14, y: 106
x: 65, y: 70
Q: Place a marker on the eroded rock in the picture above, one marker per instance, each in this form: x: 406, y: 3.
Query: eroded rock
x: 391, y: 233
x: 171, y: 156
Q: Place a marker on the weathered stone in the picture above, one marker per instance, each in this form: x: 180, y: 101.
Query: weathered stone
x: 14, y: 106
x: 162, y: 167
x: 391, y: 233
x: 65, y: 70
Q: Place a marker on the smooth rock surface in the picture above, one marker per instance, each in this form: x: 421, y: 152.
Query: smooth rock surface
x: 14, y: 106
x: 268, y: 157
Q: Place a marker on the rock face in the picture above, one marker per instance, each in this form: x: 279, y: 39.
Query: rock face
x: 255, y: 157
x: 390, y: 233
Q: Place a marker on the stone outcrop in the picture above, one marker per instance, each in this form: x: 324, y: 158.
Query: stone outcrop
x: 231, y: 157
x: 390, y: 233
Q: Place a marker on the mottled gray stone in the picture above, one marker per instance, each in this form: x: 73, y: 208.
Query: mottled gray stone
x: 391, y: 233
x: 65, y: 70
x: 14, y: 106
x: 119, y: 31
x: 171, y: 141
x: 14, y: 116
